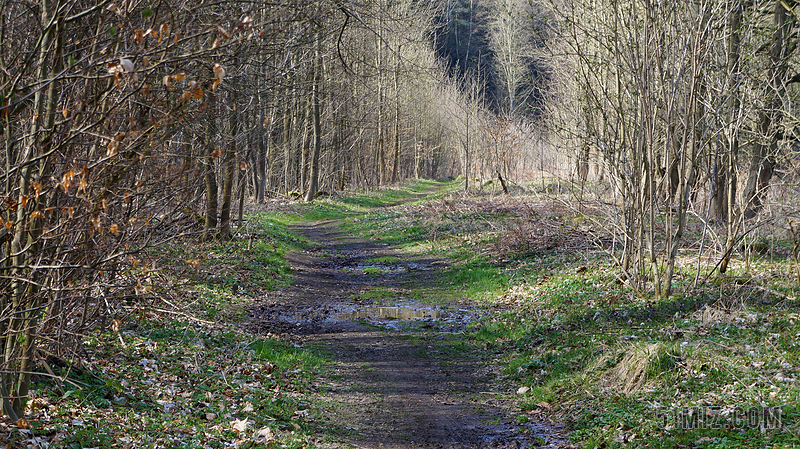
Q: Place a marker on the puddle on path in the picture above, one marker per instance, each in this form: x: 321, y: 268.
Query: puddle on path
x: 389, y: 313
x: 384, y: 268
x: 392, y: 313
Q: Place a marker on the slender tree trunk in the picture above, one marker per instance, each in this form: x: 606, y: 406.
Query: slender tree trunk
x: 583, y: 163
x: 729, y: 175
x: 286, y: 140
x: 396, y: 163
x: 242, y: 190
x: 257, y: 169
x: 314, y: 175
x: 305, y: 150
x: 380, y: 125
x: 229, y: 170
x: 467, y: 154
x: 227, y: 194
x: 210, y: 175
x: 719, y: 182
x: 26, y: 244
x: 762, y: 164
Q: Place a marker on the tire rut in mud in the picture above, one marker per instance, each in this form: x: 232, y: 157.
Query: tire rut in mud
x: 400, y: 384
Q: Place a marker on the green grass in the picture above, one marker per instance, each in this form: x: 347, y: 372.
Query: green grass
x: 607, y: 361
x: 476, y: 279
x: 304, y: 362
x: 604, y: 358
x: 384, y: 260
x: 354, y: 204
x: 257, y: 252
x: 384, y: 227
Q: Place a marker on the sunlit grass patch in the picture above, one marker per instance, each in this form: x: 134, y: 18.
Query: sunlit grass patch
x: 287, y: 356
x: 354, y: 203
x: 387, y: 227
x: 474, y: 280
x: 373, y: 270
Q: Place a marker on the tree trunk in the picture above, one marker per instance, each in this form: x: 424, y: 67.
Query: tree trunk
x: 20, y: 334
x: 381, y: 159
x: 314, y: 175
x: 762, y: 164
x: 210, y: 174
x: 725, y: 204
x: 583, y: 163
x: 227, y: 193
x: 502, y: 183
x: 257, y: 168
x: 228, y: 164
x: 242, y: 189
x: 287, y: 141
x: 396, y: 163
x: 305, y: 150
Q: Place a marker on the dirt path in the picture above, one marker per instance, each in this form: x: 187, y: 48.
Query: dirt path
x: 396, y: 383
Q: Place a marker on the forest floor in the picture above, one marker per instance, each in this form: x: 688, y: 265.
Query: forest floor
x: 422, y: 317
x: 401, y: 373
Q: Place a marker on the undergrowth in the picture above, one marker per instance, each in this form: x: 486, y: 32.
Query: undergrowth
x: 176, y: 367
x: 714, y: 367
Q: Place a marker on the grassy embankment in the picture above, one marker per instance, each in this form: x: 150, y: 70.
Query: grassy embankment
x: 573, y: 341
x: 178, y: 368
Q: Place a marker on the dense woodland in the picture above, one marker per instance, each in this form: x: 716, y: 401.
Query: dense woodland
x: 129, y: 123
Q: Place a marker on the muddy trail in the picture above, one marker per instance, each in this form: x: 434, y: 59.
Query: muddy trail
x: 403, y: 376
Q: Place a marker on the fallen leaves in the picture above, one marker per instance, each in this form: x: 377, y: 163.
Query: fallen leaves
x: 240, y: 425
x: 266, y: 434
x: 22, y: 423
